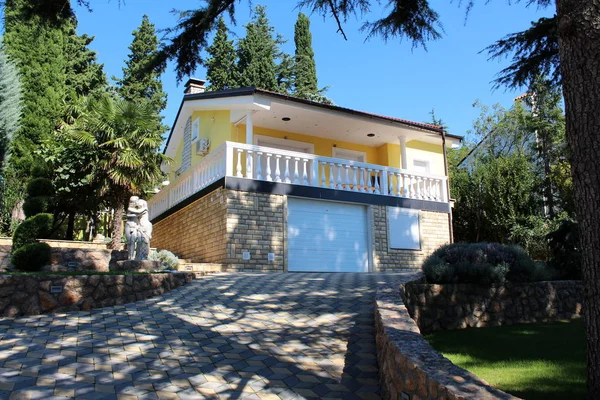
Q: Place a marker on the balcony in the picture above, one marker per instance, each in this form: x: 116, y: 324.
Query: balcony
x: 258, y: 163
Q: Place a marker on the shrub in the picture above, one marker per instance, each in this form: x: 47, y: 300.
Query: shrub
x: 36, y: 205
x: 565, y: 250
x: 168, y: 260
x: 36, y: 227
x: 40, y: 187
x: 31, y: 257
x: 482, y: 263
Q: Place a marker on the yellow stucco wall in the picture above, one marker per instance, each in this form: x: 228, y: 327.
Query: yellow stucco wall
x: 216, y: 126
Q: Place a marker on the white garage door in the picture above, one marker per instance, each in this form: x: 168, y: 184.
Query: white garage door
x: 326, y: 236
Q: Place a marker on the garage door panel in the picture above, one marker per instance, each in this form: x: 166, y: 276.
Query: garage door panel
x: 326, y: 236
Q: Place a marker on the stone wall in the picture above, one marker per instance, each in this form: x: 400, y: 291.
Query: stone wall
x: 197, y: 231
x: 31, y: 295
x: 458, y: 306
x: 66, y: 255
x: 434, y: 233
x: 255, y: 224
x: 409, y: 367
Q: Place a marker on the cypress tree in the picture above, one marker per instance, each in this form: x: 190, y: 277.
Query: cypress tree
x: 258, y: 52
x: 221, y: 67
x: 305, y: 70
x: 36, y: 43
x: 141, y: 78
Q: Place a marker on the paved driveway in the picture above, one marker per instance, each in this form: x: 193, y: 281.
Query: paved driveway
x: 234, y: 336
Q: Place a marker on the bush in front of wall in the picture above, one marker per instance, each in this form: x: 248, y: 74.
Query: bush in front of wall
x: 31, y: 257
x: 480, y: 263
x: 33, y: 228
x: 168, y: 260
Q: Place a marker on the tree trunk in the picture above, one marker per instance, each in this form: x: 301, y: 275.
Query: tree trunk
x: 117, y: 226
x: 70, y: 225
x: 579, y: 42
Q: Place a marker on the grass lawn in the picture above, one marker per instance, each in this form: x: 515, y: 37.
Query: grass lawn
x: 534, y: 361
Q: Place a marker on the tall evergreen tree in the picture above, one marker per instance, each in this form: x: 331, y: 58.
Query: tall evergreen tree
x: 221, y: 66
x: 258, y: 52
x: 36, y: 43
x: 10, y: 104
x: 141, y: 82
x: 305, y: 70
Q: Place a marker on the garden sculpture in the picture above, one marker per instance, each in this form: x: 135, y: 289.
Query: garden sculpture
x: 138, y: 229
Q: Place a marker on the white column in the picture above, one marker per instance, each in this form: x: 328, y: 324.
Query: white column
x: 403, y: 159
x: 249, y: 127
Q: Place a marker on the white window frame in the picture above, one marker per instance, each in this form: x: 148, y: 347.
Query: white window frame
x: 266, y: 140
x: 393, y: 227
x: 426, y: 162
x: 341, y: 153
x: 195, y: 129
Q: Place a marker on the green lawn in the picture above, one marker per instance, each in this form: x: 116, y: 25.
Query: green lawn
x: 535, y: 361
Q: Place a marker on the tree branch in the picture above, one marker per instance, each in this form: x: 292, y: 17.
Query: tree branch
x: 337, y: 19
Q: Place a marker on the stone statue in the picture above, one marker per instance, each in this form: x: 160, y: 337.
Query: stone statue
x: 138, y: 229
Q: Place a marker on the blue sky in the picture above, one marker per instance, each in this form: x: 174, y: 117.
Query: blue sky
x: 386, y: 78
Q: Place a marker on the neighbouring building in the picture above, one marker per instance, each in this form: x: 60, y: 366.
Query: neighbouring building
x: 267, y: 182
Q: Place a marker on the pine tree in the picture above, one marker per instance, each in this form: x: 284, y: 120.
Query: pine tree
x: 258, y: 52
x: 221, y: 67
x: 10, y: 104
x: 305, y: 70
x: 140, y: 82
x: 36, y: 44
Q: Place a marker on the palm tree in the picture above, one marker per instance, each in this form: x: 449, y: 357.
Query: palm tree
x: 124, y: 137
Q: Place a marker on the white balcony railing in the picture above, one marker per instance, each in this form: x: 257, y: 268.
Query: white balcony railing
x: 275, y: 165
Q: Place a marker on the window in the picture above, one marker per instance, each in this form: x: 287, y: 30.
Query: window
x: 421, y: 166
x: 351, y: 155
x: 404, y: 230
x: 195, y: 129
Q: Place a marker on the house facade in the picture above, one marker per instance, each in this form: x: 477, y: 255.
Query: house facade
x: 266, y: 182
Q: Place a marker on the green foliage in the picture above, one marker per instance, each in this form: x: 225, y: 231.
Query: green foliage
x: 258, y: 52
x: 33, y: 228
x: 10, y: 196
x: 305, y: 70
x: 37, y: 205
x: 141, y: 81
x: 565, y: 247
x: 10, y: 104
x: 221, y: 65
x: 36, y: 44
x: 31, y: 257
x: 168, y: 260
x: 481, y: 263
x: 39, y: 187
x: 534, y: 53
x: 125, y: 143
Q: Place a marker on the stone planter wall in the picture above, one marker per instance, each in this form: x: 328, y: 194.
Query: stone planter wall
x: 459, y: 306
x: 409, y: 367
x: 37, y: 294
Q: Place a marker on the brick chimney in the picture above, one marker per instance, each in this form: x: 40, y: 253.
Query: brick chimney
x: 194, y: 86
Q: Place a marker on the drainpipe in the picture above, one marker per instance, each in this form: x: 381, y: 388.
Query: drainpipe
x: 451, y: 230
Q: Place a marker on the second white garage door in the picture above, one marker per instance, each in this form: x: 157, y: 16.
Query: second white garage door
x: 327, y: 236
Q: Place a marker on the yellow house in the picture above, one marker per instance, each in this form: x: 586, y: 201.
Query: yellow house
x: 265, y: 181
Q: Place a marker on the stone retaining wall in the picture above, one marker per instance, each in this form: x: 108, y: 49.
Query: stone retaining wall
x: 459, y: 306
x: 409, y: 367
x: 37, y: 294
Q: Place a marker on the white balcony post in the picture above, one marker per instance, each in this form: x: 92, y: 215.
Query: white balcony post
x: 384, y: 182
x: 228, y: 159
x: 249, y: 127
x: 314, y: 173
x: 403, y: 159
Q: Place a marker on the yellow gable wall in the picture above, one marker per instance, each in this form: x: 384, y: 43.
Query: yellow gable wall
x: 213, y: 125
x: 426, y: 152
x: 176, y: 161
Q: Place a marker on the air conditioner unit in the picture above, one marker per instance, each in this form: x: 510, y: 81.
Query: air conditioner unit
x: 202, y: 146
